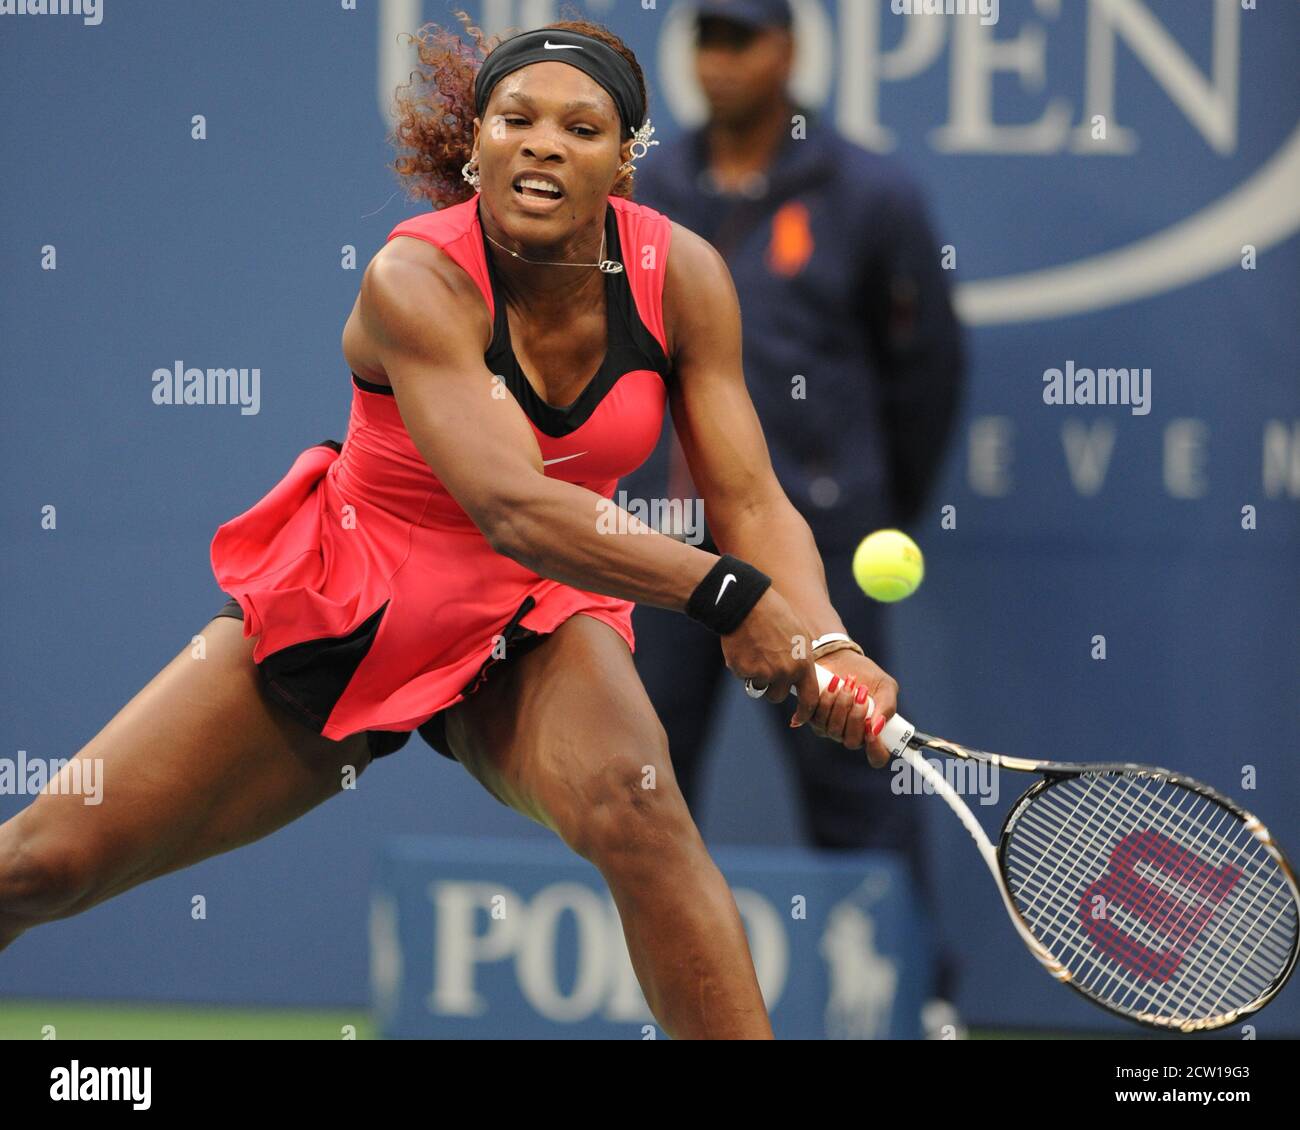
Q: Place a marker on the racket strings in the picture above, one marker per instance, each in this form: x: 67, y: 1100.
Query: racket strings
x: 1196, y: 917
x: 1155, y: 928
x: 1143, y: 934
x: 1123, y: 977
x: 1126, y: 981
x: 1067, y: 904
x: 1171, y: 885
x: 1228, y: 925
x: 1234, y: 967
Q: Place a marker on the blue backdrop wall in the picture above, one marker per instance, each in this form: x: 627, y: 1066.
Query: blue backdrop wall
x: 1161, y: 237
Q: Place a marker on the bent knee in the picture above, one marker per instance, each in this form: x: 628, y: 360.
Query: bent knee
x: 42, y: 878
x: 630, y: 810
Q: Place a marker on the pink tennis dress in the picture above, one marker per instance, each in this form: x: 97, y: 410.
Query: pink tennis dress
x: 375, y: 599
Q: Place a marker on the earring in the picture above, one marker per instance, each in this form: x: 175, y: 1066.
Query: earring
x: 471, y: 174
x: 641, y: 140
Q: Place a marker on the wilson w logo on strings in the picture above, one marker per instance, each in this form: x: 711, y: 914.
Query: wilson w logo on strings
x: 1174, y: 911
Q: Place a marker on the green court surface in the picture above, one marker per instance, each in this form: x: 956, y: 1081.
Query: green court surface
x: 28, y: 1020
x: 108, y: 1020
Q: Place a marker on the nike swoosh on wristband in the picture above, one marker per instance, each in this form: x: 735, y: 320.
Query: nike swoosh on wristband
x: 725, y: 582
x: 561, y: 46
x: 562, y: 459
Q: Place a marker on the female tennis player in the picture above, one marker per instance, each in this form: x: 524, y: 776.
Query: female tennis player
x: 456, y: 565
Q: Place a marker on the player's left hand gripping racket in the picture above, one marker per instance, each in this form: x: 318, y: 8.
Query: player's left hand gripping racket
x: 1154, y: 896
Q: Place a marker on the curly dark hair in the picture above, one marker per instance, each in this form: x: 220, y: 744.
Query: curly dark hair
x: 434, y: 132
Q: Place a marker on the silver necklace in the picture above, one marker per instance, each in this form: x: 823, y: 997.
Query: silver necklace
x: 607, y: 266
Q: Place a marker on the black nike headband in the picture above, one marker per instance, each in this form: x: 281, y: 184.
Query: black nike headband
x: 547, y: 45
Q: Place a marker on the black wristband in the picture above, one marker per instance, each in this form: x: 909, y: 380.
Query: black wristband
x: 724, y: 598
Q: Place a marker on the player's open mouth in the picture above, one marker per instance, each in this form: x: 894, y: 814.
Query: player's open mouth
x: 538, y: 187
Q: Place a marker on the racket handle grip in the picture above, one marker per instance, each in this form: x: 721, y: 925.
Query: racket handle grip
x: 895, y: 734
x: 897, y: 731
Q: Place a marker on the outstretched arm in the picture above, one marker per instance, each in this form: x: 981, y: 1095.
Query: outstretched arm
x: 744, y: 504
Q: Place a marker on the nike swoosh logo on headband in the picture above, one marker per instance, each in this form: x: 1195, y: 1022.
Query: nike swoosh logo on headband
x: 561, y: 46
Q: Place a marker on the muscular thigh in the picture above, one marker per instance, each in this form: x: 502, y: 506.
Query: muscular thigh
x: 198, y: 762
x: 556, y: 732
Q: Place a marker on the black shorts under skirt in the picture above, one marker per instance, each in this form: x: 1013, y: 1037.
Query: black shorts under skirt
x: 383, y: 742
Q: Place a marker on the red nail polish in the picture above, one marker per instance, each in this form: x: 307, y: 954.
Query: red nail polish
x: 861, y: 696
x: 795, y: 725
x: 880, y: 725
x: 835, y: 682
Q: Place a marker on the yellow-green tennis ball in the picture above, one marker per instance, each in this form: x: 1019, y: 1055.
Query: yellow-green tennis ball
x: 888, y: 565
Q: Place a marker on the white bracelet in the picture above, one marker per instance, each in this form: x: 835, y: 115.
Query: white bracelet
x: 828, y: 637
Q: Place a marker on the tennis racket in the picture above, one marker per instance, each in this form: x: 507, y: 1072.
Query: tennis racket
x: 1148, y: 892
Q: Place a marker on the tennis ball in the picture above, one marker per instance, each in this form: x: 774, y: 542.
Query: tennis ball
x: 888, y: 565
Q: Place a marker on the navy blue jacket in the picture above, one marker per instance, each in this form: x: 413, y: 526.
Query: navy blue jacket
x: 840, y: 283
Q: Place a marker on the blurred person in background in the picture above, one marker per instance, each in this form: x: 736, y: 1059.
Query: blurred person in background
x: 854, y: 361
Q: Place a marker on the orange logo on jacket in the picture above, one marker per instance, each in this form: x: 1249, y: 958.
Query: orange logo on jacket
x: 792, y: 240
